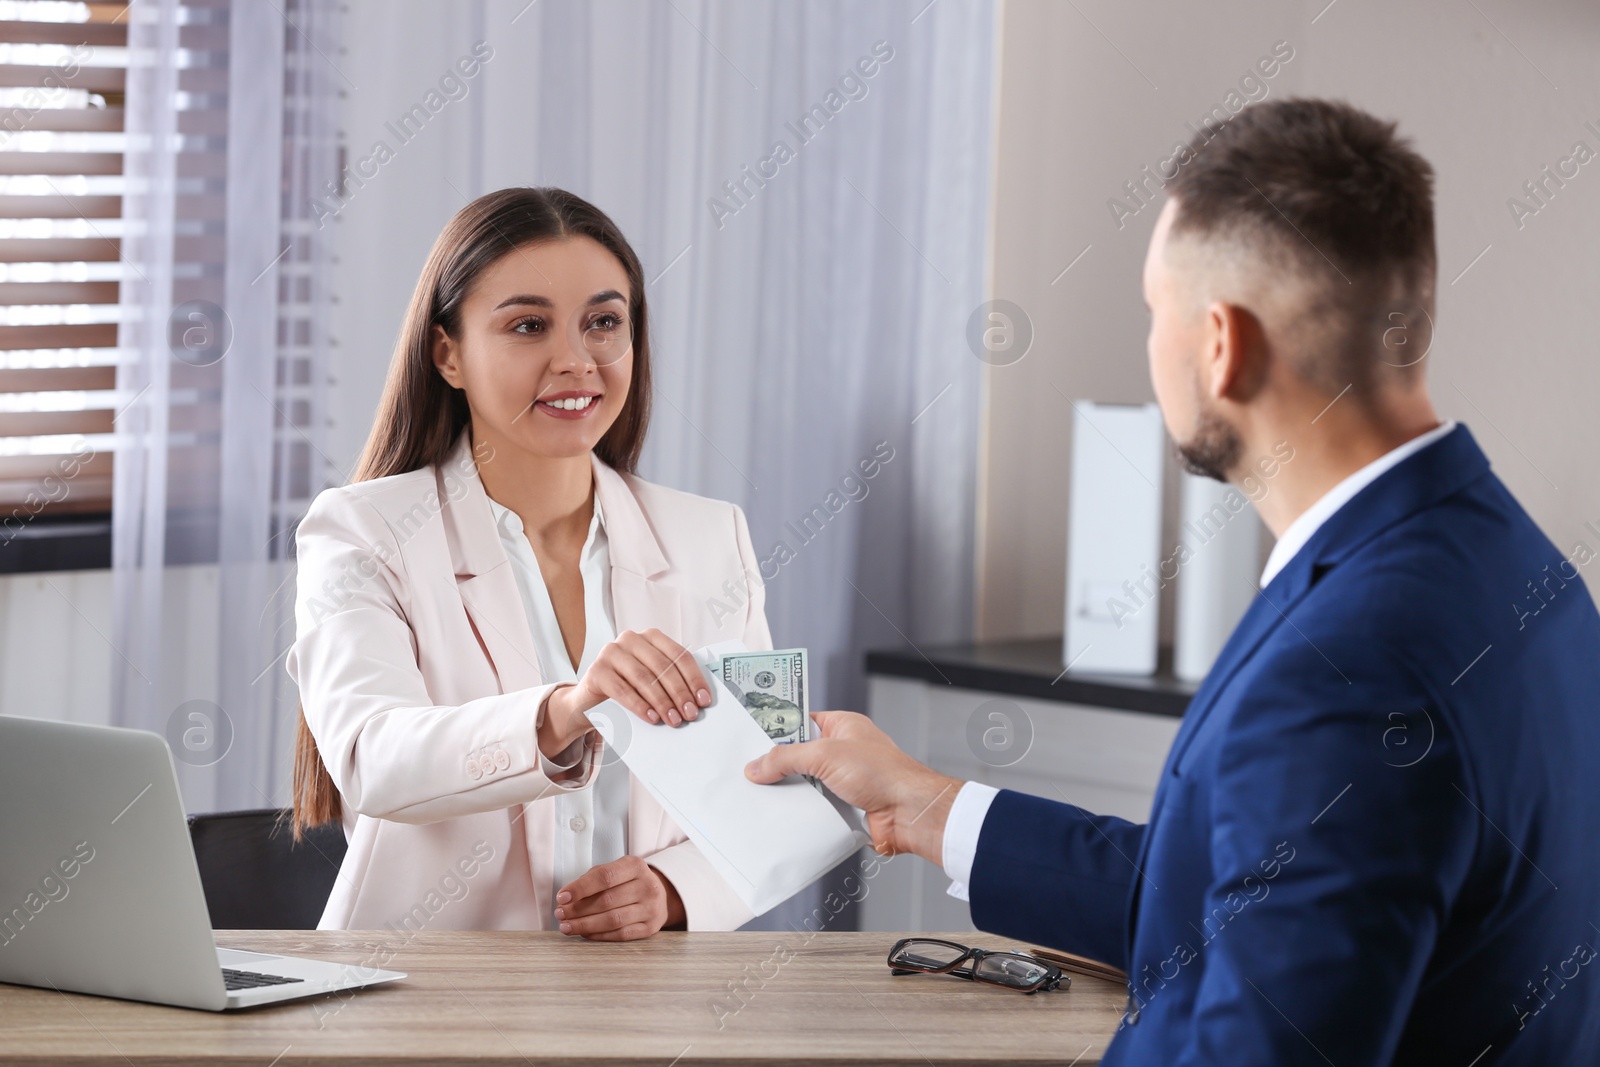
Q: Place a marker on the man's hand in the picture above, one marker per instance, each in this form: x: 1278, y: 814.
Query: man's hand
x: 619, y: 901
x: 906, y: 803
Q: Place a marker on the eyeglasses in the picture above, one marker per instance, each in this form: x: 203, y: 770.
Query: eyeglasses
x: 1014, y: 970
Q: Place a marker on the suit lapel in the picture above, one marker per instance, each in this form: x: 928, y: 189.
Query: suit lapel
x: 1260, y: 619
x: 1415, y: 483
x: 639, y: 601
x: 1266, y: 611
x: 489, y: 589
x: 484, y: 577
x: 494, y: 605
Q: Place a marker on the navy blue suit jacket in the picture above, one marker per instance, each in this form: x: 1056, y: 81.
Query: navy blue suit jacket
x: 1377, y: 836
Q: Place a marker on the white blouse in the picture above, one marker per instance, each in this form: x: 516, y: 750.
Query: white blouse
x: 591, y: 824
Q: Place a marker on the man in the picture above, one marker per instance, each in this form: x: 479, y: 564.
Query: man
x: 1377, y: 836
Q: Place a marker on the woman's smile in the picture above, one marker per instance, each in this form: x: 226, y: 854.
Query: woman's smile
x: 572, y: 404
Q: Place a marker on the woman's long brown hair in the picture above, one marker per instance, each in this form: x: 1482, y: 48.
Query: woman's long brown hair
x: 421, y: 415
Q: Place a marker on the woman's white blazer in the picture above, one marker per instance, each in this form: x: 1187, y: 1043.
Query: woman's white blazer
x: 420, y: 682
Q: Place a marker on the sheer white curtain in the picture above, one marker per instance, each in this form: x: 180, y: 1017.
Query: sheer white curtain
x: 810, y: 303
x: 230, y: 117
x: 820, y: 311
x: 807, y: 184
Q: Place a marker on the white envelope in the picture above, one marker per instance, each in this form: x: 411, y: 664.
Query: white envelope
x: 767, y: 841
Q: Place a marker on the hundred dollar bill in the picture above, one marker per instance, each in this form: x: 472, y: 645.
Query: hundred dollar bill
x: 772, y: 687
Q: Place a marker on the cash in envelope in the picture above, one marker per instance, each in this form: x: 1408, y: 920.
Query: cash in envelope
x: 772, y: 688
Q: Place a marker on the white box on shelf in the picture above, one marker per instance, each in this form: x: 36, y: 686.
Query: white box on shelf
x: 1114, y: 538
x: 1217, y: 560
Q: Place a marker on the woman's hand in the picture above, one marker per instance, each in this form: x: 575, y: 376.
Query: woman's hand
x: 648, y: 673
x: 619, y: 901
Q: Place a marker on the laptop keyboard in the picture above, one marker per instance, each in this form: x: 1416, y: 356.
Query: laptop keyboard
x: 251, y: 980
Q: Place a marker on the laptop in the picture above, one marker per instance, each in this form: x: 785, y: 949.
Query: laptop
x: 99, y: 891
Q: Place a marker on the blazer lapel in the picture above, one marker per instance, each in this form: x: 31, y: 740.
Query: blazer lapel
x: 1260, y: 619
x: 639, y: 601
x: 484, y: 577
x: 1269, y: 607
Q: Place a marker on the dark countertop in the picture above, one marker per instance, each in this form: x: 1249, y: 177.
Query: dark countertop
x: 1033, y: 668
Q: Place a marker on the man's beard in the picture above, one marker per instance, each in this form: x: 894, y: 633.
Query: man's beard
x: 1213, y: 450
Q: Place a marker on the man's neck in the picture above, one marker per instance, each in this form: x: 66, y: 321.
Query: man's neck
x: 1328, y: 451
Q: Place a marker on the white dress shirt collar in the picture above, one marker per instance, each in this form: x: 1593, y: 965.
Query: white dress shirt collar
x: 594, y: 564
x: 509, y: 520
x: 1301, y: 529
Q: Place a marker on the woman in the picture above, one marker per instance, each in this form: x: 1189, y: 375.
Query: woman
x: 494, y: 571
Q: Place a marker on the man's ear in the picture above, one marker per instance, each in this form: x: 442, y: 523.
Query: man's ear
x: 446, y: 356
x: 1234, y: 359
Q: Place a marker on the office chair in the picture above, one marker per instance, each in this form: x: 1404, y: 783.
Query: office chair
x: 255, y: 876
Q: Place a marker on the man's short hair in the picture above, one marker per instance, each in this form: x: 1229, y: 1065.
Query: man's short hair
x: 1331, y: 193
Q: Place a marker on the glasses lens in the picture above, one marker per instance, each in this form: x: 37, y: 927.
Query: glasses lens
x: 1016, y: 971
x: 928, y: 954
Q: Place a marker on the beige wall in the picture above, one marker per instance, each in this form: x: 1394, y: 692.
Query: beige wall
x: 1094, y: 90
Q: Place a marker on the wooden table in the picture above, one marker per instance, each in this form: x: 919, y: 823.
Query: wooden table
x: 515, y: 997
